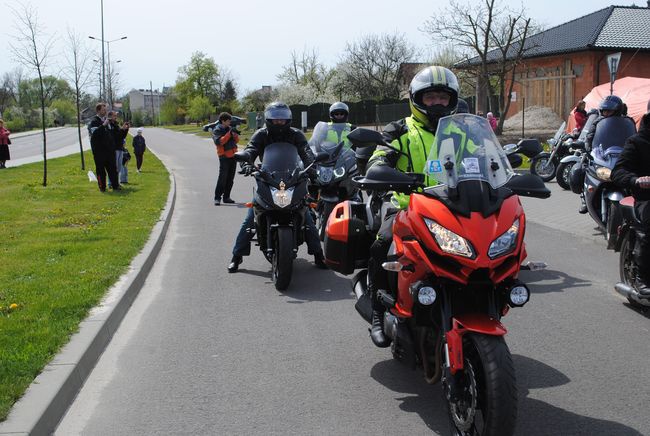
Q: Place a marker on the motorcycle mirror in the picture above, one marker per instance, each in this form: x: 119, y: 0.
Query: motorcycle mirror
x: 362, y: 137
x: 528, y: 185
x: 509, y: 147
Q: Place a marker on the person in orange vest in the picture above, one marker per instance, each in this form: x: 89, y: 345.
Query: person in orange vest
x: 226, y: 139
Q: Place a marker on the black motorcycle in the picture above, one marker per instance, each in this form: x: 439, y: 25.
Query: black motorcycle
x: 334, y: 181
x: 528, y: 147
x: 548, y: 165
x: 601, y: 194
x: 280, y: 206
x: 629, y: 231
x: 577, y: 149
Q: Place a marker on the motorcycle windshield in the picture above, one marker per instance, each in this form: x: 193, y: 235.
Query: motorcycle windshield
x: 559, y: 132
x: 326, y: 137
x: 280, y: 160
x: 466, y: 148
x: 612, y: 132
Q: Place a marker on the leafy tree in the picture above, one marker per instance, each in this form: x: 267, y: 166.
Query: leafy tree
x: 66, y: 111
x: 200, y: 109
x: 229, y: 91
x: 257, y: 100
x: 200, y: 77
x: 171, y: 110
x: 53, y: 89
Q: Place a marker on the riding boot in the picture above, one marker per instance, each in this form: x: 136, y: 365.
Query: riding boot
x: 234, y: 264
x: 377, y: 334
x: 583, y: 205
x: 640, y: 255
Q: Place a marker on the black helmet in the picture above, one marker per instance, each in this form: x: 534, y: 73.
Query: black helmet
x: 432, y: 79
x: 339, y: 107
x: 277, y: 111
x: 611, y: 103
x: 463, y: 107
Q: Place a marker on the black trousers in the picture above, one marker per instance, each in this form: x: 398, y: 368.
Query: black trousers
x: 642, y: 247
x: 105, y: 164
x: 377, y: 275
x: 138, y: 160
x: 227, y: 168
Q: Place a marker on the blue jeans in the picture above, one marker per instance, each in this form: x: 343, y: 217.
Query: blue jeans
x: 243, y: 242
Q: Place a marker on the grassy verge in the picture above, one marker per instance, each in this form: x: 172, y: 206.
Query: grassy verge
x: 62, y: 247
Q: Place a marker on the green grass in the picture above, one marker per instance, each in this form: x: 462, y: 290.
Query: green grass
x: 63, y: 246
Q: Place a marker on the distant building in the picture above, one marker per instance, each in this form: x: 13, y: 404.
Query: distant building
x: 141, y: 99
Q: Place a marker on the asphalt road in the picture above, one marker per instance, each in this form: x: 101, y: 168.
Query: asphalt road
x: 60, y: 142
x: 206, y: 352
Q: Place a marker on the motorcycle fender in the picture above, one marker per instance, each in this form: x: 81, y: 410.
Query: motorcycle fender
x: 471, y: 322
x: 334, y: 199
x: 616, y: 196
x: 542, y: 155
x: 570, y: 158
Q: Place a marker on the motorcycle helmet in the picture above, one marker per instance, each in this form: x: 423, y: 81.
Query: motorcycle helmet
x: 611, y: 103
x: 432, y: 78
x: 577, y: 178
x: 463, y: 107
x: 277, y: 111
x: 339, y: 107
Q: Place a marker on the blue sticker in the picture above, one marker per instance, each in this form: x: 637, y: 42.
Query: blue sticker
x: 434, y: 166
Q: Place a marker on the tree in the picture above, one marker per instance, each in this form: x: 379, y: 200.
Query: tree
x: 307, y: 72
x: 79, y: 70
x: 370, y: 68
x: 31, y: 48
x: 171, y: 110
x: 257, y: 100
x: 200, y: 108
x: 54, y: 88
x: 8, y: 92
x: 496, y: 36
x: 229, y: 91
x: 200, y: 77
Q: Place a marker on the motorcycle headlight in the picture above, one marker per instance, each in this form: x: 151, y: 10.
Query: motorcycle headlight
x: 282, y: 197
x: 603, y: 173
x: 506, y: 242
x: 448, y: 241
x: 339, y: 172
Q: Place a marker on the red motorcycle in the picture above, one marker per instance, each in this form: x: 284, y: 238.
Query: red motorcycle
x: 453, y: 266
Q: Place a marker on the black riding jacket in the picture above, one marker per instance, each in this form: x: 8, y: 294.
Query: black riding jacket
x: 634, y: 162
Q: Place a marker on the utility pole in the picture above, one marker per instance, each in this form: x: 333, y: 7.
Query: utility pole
x: 103, y: 62
x: 153, y: 113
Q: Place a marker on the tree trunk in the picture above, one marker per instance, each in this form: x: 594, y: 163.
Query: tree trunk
x: 43, y: 126
x: 81, y: 148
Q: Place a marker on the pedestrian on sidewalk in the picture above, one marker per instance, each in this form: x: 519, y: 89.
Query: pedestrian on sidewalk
x: 102, y: 145
x: 139, y: 146
x: 225, y: 138
x: 4, y: 144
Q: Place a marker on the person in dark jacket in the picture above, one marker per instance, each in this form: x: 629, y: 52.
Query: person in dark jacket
x: 277, y: 128
x: 632, y: 171
x: 102, y: 144
x: 226, y: 139
x: 119, y: 135
x: 4, y: 144
x: 139, y: 146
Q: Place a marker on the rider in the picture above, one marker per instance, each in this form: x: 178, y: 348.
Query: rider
x: 632, y: 170
x: 610, y: 106
x: 339, y: 113
x: 277, y: 128
x: 433, y: 94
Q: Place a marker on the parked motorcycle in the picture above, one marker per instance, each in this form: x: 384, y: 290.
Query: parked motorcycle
x: 567, y: 163
x: 334, y: 181
x: 453, y: 268
x: 548, y: 165
x: 630, y: 230
x: 280, y: 206
x: 601, y: 195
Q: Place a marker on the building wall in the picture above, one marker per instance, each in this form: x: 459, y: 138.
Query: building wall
x: 141, y: 101
x: 559, y: 82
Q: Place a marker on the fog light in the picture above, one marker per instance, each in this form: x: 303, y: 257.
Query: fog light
x: 427, y: 295
x: 519, y: 295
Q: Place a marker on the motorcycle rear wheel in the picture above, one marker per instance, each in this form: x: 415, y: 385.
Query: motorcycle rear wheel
x: 282, y: 261
x: 488, y: 390
x: 542, y: 167
x: 563, y: 175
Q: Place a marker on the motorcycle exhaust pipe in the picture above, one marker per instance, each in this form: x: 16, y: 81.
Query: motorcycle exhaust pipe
x: 625, y: 290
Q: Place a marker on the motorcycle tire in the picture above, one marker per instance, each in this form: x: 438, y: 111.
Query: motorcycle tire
x: 282, y: 262
x: 564, y: 174
x: 614, y: 220
x: 488, y: 389
x: 626, y: 267
x: 546, y: 173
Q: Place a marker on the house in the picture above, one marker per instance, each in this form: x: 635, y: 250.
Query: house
x: 562, y: 64
x: 143, y: 99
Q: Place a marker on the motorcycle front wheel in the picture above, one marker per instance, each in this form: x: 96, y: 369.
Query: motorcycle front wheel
x: 564, y: 174
x: 626, y: 266
x: 282, y: 261
x: 543, y: 167
x: 486, y: 387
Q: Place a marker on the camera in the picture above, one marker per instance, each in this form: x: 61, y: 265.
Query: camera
x: 234, y: 122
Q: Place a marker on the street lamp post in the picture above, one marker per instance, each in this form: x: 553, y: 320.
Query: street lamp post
x: 103, y: 41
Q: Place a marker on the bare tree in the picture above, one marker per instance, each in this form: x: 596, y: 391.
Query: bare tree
x: 370, y: 67
x: 495, y: 35
x: 78, y: 70
x: 308, y: 72
x: 31, y: 48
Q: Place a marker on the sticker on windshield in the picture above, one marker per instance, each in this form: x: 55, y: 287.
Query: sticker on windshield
x: 471, y: 165
x: 434, y: 166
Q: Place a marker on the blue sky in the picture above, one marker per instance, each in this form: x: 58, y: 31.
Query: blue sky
x: 252, y: 39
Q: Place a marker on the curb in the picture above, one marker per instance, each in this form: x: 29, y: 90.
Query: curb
x: 36, y: 132
x: 47, y: 399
